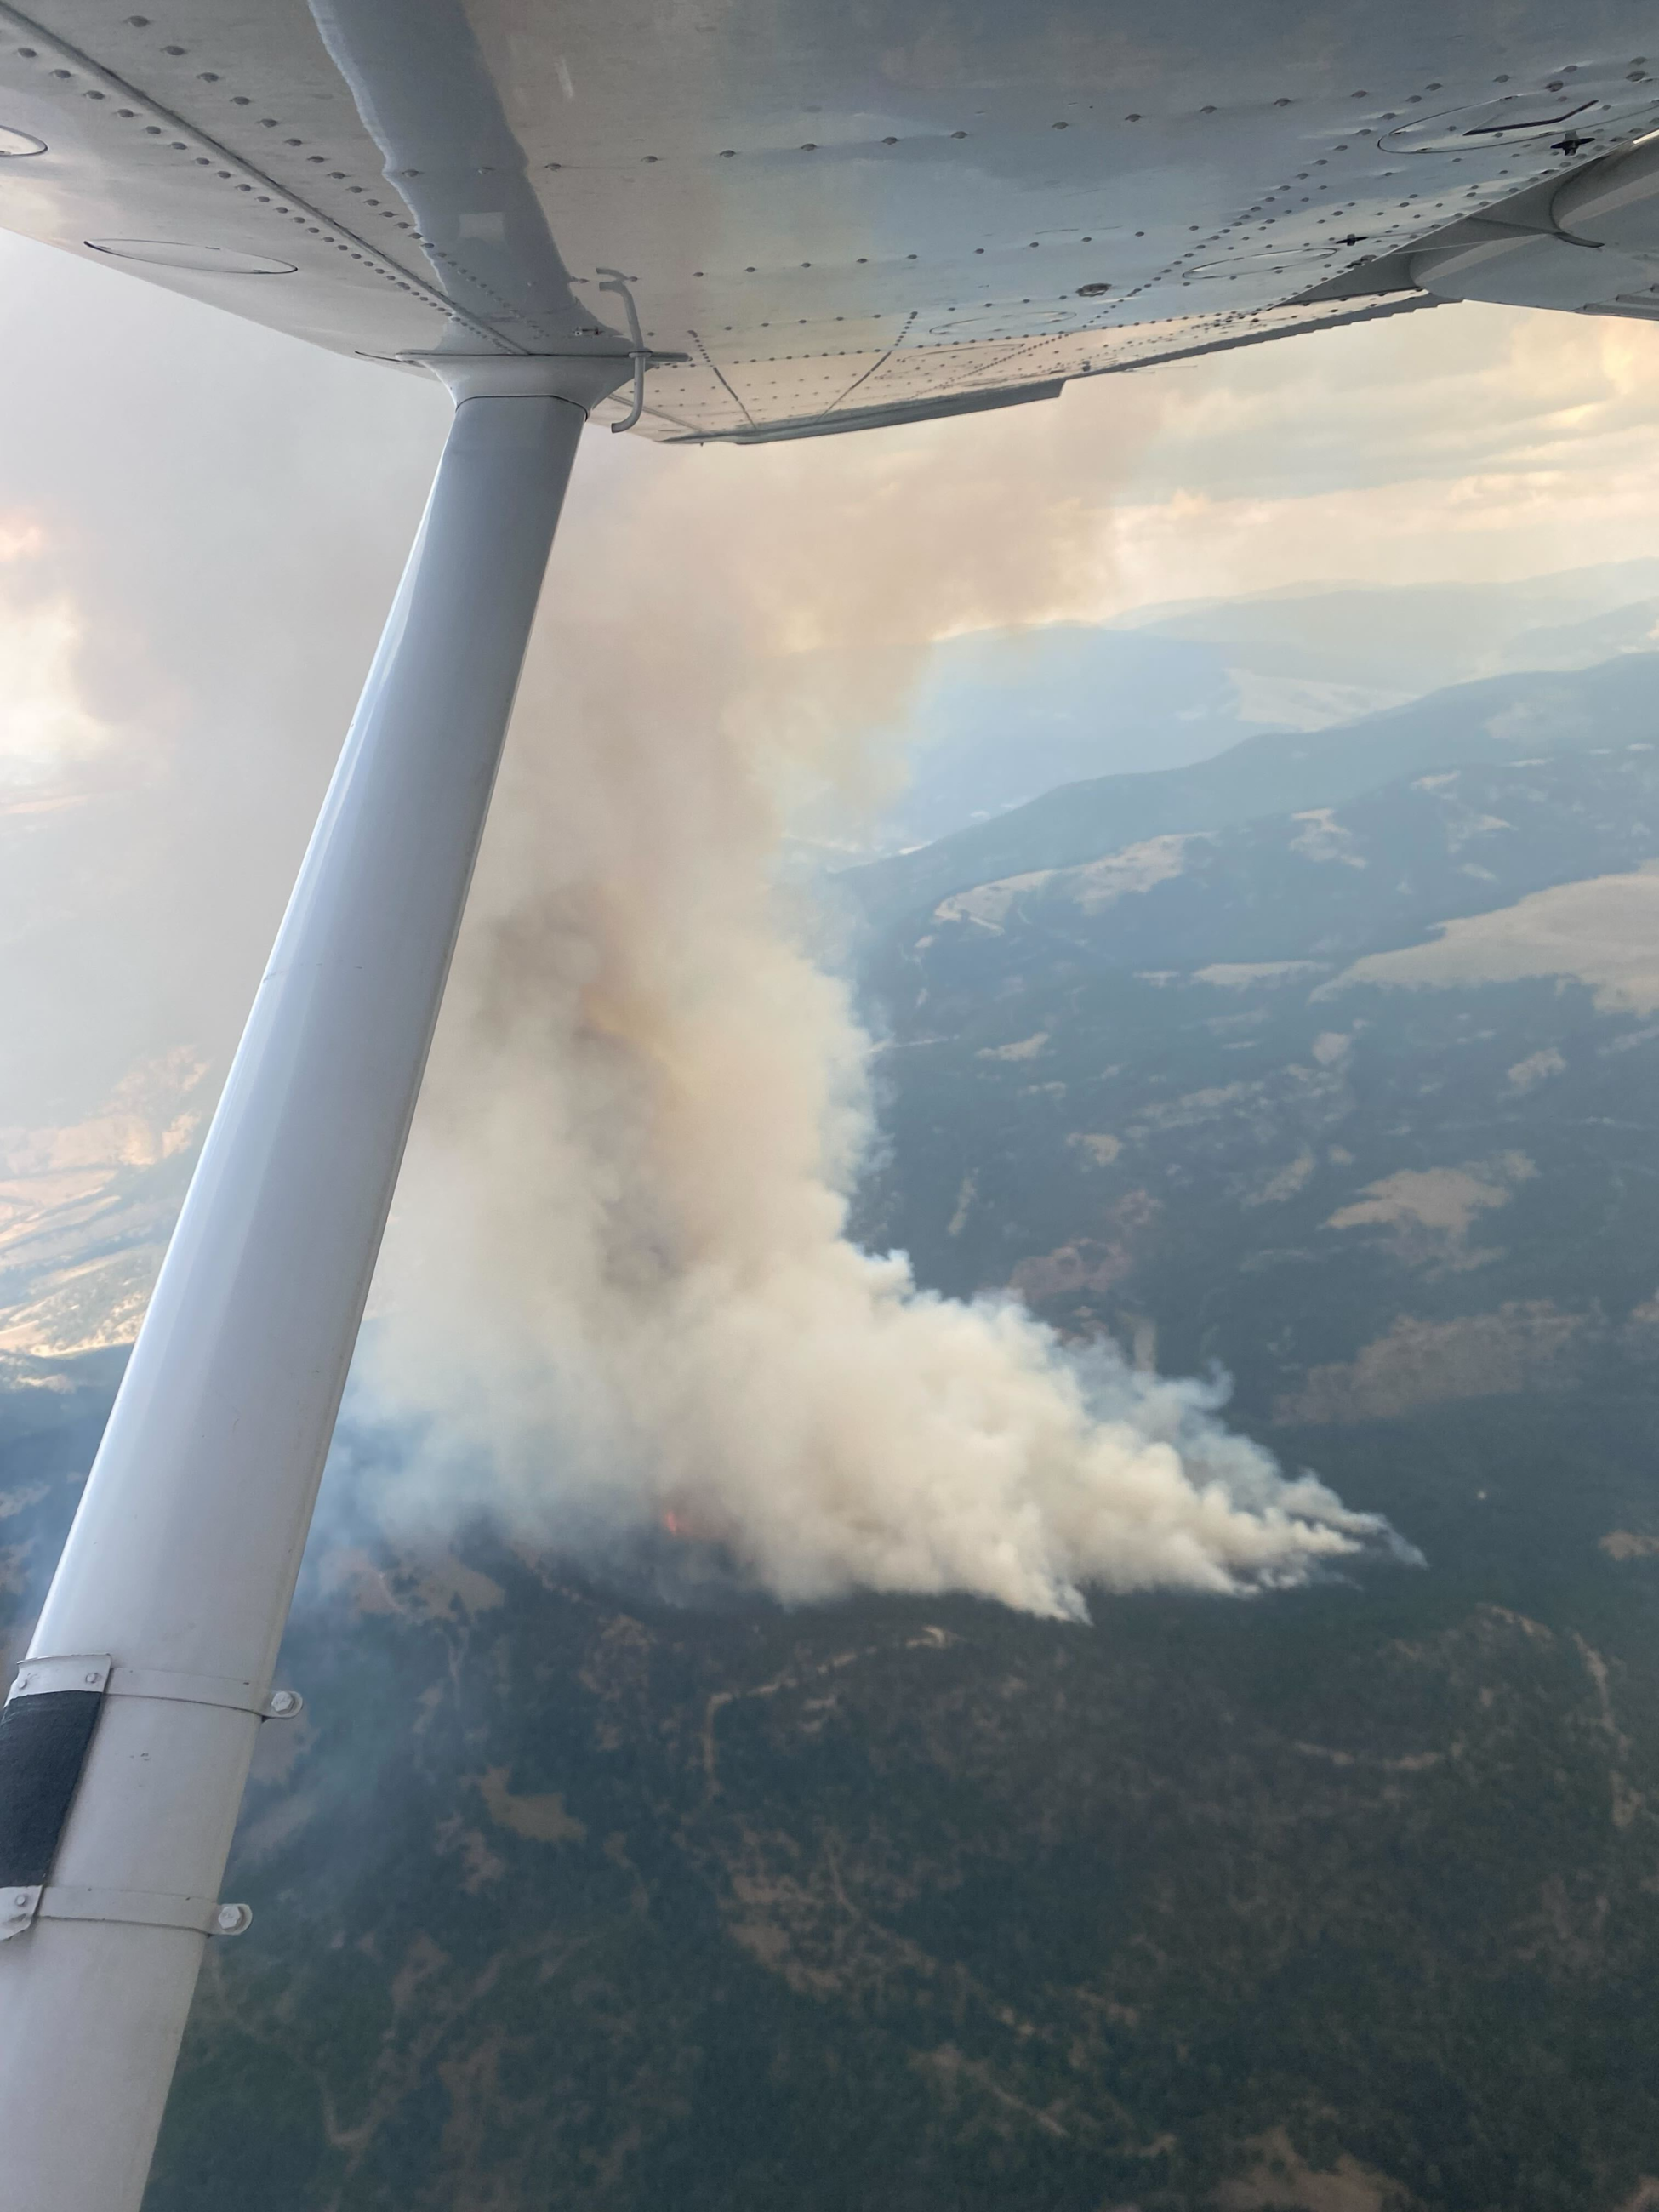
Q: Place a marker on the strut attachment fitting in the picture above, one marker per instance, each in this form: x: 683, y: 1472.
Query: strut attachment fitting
x: 639, y: 353
x: 46, y: 1728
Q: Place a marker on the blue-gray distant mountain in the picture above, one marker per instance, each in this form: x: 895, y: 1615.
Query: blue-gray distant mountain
x: 999, y: 717
x: 1501, y: 718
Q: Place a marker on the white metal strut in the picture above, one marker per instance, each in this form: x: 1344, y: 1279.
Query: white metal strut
x: 180, y: 1567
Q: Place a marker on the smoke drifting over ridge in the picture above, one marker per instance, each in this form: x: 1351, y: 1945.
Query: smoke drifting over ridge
x: 199, y: 605
x: 617, y: 1291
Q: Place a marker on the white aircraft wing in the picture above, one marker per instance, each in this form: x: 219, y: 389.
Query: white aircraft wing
x: 826, y: 217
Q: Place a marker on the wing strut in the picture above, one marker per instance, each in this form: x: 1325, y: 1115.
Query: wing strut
x: 121, y: 1773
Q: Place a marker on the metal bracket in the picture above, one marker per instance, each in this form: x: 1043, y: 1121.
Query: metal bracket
x: 41, y: 1677
x: 639, y: 353
x: 17, y: 1910
x: 205, y: 1690
x: 137, y: 1908
x: 46, y: 1727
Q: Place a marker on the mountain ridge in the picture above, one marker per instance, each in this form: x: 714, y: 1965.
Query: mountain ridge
x: 1500, y: 718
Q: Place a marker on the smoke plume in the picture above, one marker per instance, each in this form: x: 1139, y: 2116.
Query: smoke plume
x: 618, y: 1292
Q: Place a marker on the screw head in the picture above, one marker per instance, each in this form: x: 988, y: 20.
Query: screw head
x: 283, y: 1702
x: 232, y: 1919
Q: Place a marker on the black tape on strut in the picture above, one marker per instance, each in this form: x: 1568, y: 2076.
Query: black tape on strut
x: 43, y: 1747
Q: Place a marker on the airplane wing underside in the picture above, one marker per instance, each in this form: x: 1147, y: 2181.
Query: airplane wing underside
x: 828, y: 218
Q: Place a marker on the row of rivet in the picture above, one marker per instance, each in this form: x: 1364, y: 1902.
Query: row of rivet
x: 313, y: 220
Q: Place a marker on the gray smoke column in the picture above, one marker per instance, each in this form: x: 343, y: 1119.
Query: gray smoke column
x: 617, y: 1291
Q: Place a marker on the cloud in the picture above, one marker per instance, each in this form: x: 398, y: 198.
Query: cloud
x: 45, y: 729
x: 200, y: 529
x: 1466, y: 445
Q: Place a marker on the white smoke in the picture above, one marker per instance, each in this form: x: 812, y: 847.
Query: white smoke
x: 618, y: 1293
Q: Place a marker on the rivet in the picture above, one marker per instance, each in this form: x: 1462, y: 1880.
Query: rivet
x: 93, y: 1679
x: 22, y: 1899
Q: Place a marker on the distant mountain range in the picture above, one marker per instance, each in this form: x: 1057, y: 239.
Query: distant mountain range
x: 1308, y: 1092
x: 84, y: 1210
x: 1502, y: 717
x: 997, y: 718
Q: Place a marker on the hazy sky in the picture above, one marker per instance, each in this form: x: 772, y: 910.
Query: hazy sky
x: 201, y: 524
